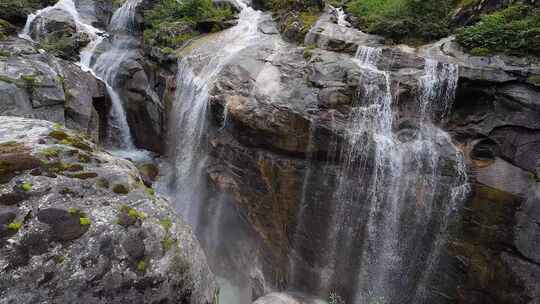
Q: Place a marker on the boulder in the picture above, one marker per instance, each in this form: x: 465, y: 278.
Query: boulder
x: 328, y: 35
x: 56, y: 31
x: 66, y: 242
x: 41, y: 86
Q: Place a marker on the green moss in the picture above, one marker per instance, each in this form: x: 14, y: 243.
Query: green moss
x: 132, y: 212
x: 150, y: 192
x: 141, y: 266
x: 26, y: 186
x: 50, y: 152
x: 166, y: 223
x: 83, y: 175
x: 120, y: 189
x: 167, y: 243
x: 59, y: 259
x: 308, y: 51
x: 534, y: 80
x: 14, y: 226
x: 84, y: 221
x: 29, y: 80
x: 58, y: 135
x: 513, y: 31
x: 11, y: 147
x: 102, y: 183
x: 84, y: 158
x: 73, y: 211
x: 60, y: 44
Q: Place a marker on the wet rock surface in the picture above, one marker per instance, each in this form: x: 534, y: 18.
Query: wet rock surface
x: 278, y: 111
x: 65, y: 236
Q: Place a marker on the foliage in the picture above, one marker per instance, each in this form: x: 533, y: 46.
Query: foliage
x: 514, y: 31
x: 171, y: 23
x: 404, y: 20
x: 15, y: 11
x: 297, y: 5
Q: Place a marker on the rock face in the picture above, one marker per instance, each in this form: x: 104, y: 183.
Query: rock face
x: 41, y: 86
x: 495, y: 120
x: 78, y: 225
x: 280, y: 115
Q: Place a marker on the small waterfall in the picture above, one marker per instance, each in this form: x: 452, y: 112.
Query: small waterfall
x: 105, y: 65
x: 392, y: 203
x: 341, y: 17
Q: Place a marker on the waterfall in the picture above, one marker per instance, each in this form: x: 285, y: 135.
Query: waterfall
x: 392, y: 202
x: 105, y: 64
x: 196, y: 72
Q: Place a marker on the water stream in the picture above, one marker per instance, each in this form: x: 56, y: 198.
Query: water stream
x: 103, y: 60
x: 392, y: 199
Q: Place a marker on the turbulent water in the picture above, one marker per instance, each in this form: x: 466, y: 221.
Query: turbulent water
x: 103, y: 59
x: 392, y: 198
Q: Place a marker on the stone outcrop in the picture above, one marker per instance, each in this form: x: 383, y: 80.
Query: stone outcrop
x: 280, y: 113
x: 78, y: 225
x: 38, y: 85
x: 57, y: 32
x: 328, y: 35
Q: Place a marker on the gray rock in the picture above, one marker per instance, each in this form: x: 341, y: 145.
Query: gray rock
x: 287, y: 298
x: 70, y: 247
x: 41, y: 86
x: 328, y: 35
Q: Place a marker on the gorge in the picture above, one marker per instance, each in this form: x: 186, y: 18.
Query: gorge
x: 338, y: 167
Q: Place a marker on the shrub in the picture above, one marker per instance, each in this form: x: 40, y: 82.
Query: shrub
x: 404, y: 20
x: 514, y: 31
x: 170, y: 23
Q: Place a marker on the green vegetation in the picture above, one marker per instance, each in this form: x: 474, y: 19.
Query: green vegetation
x: 141, y: 266
x: 167, y: 243
x: 15, y: 11
x: 404, y: 20
x: 84, y: 221
x: 170, y: 23
x: 514, y: 31
x: 26, y: 186
x: 120, y: 189
x: 132, y: 212
x: 166, y: 223
x: 14, y: 226
x: 6, y: 29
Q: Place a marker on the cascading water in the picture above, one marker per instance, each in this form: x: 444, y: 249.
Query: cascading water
x: 392, y: 200
x: 105, y: 65
x: 196, y: 72
x: 185, y: 183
